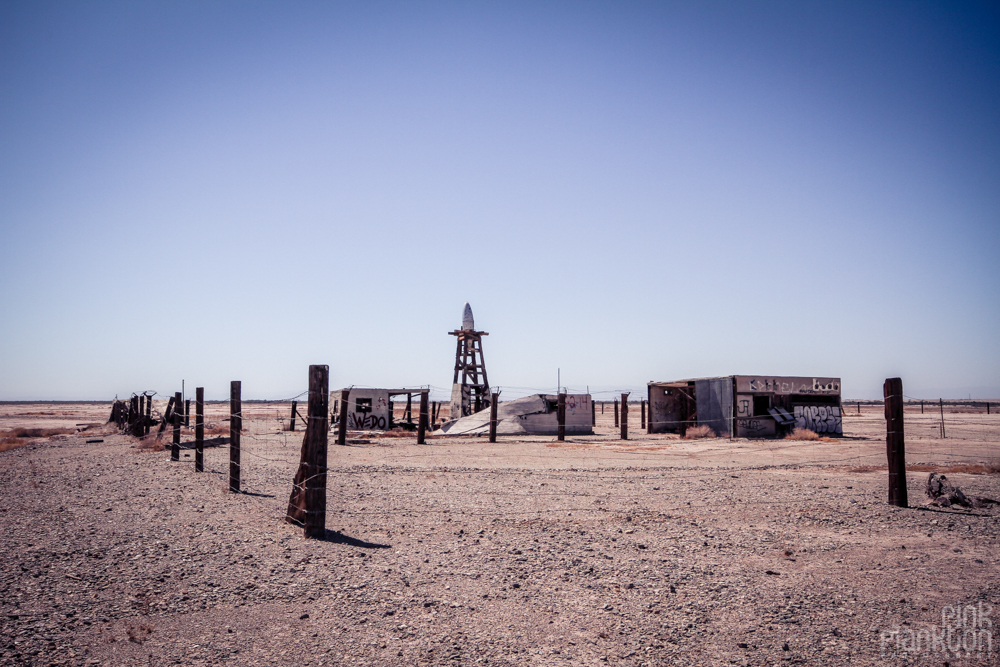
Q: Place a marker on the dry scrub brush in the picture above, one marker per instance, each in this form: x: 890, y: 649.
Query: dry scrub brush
x: 806, y: 434
x: 19, y: 437
x: 698, y: 432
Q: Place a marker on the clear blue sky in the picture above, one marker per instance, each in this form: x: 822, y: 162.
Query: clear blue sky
x: 625, y: 191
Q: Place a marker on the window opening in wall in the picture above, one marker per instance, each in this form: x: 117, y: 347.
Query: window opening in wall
x: 761, y: 404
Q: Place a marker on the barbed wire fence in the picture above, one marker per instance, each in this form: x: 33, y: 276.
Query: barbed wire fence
x: 268, y: 451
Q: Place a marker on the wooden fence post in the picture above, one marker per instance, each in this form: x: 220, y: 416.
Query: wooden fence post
x: 149, y: 415
x: 894, y: 445
x: 422, y: 419
x: 175, y: 448
x: 561, y: 417
x: 409, y: 408
x: 295, y: 404
x: 616, y: 413
x: 235, y: 428
x: 493, y: 416
x: 941, y: 404
x: 345, y: 395
x: 624, y: 416
x: 642, y: 417
x: 307, y: 503
x: 199, y: 429
x: 593, y: 412
x: 187, y: 413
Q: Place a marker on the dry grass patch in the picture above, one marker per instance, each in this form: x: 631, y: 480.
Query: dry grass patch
x: 698, y: 432
x: 19, y: 437
x: 806, y: 434
x: 151, y: 443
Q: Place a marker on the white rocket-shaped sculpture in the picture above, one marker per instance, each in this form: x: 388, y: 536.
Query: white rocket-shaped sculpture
x: 468, y: 324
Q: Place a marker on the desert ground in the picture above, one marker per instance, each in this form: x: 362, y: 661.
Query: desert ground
x: 593, y: 551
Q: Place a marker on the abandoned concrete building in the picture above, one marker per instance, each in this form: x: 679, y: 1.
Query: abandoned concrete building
x: 747, y: 406
x: 372, y: 409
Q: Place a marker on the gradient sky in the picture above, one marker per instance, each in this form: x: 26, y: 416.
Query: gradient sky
x: 623, y: 191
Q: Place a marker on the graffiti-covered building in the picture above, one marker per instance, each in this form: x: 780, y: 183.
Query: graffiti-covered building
x: 372, y: 409
x: 750, y: 406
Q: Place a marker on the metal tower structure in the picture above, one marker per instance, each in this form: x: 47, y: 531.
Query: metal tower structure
x: 470, y: 390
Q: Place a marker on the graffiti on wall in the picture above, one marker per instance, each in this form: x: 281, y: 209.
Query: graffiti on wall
x: 744, y: 406
x: 755, y: 428
x: 819, y: 418
x: 788, y: 385
x: 362, y: 421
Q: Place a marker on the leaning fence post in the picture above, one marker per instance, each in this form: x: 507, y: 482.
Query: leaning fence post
x: 624, y: 416
x: 561, y: 417
x: 495, y: 398
x: 235, y: 427
x: 422, y: 419
x: 199, y: 429
x: 175, y: 448
x: 307, y: 504
x: 295, y: 404
x: 345, y: 394
x: 894, y: 445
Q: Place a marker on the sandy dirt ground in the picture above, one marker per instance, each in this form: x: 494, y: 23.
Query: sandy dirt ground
x: 595, y: 551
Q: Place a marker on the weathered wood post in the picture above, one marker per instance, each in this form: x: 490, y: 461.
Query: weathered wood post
x: 941, y: 404
x: 345, y: 394
x: 142, y: 413
x: 616, y: 413
x: 175, y: 448
x: 624, y: 416
x: 187, y: 413
x: 149, y: 415
x: 894, y: 445
x: 493, y: 416
x: 921, y: 407
x: 593, y: 412
x: 235, y: 428
x: 642, y: 414
x: 307, y: 503
x: 295, y: 404
x: 423, y: 418
x: 561, y: 417
x: 199, y: 429
x: 168, y: 415
x: 409, y: 408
